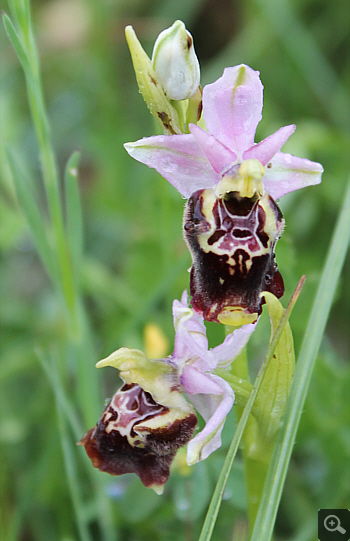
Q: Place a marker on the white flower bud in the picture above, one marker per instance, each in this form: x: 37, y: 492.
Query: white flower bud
x: 175, y: 62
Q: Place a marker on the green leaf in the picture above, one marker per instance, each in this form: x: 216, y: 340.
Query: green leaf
x: 16, y: 43
x: 74, y: 219
x: 38, y: 227
x: 273, y: 395
x: 241, y: 387
x: 277, y: 472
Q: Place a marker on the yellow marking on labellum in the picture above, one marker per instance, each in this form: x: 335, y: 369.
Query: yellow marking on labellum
x: 213, y: 308
x: 231, y: 269
x: 158, y: 489
x: 158, y: 422
x: 208, y: 201
x: 272, y: 230
x: 236, y: 316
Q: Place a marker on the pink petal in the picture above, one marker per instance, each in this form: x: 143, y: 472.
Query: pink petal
x: 232, y: 107
x: 190, y: 333
x: 219, y: 156
x: 177, y: 158
x: 232, y: 346
x: 196, y: 382
x: 213, y: 409
x: 266, y: 149
x: 286, y: 173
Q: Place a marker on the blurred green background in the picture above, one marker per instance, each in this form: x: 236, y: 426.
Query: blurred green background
x: 135, y: 262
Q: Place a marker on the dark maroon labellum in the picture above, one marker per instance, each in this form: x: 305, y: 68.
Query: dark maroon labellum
x: 137, y: 435
x: 232, y: 241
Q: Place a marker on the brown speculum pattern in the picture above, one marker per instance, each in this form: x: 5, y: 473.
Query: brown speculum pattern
x: 232, y: 240
x: 137, y: 435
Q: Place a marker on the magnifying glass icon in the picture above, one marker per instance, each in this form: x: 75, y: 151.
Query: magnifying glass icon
x: 332, y: 524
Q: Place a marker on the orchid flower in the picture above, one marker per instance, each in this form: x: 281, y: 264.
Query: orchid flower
x: 232, y: 108
x: 148, y: 419
x: 232, y: 222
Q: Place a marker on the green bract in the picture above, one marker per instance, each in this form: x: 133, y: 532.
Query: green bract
x: 275, y: 386
x: 152, y: 92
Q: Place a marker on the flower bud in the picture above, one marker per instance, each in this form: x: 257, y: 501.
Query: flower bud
x: 175, y: 62
x: 151, y: 90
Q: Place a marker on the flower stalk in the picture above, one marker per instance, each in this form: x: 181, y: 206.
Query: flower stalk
x: 263, y: 424
x: 213, y: 510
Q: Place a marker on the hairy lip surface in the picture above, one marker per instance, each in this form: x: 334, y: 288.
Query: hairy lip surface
x: 233, y: 257
x: 122, y: 442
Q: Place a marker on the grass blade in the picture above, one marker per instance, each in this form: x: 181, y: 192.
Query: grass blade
x: 68, y: 421
x: 16, y: 42
x: 215, y: 503
x: 69, y: 460
x: 312, y: 339
x: 27, y: 52
x: 32, y: 214
x: 71, y: 475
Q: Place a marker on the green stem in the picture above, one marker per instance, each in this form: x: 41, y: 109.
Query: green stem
x: 179, y: 108
x: 56, y: 256
x: 261, y: 430
x: 213, y: 510
x: 47, y: 158
x: 255, y: 455
x: 194, y: 109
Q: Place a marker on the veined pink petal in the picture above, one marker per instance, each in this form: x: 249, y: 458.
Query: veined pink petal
x: 213, y: 409
x: 219, y: 156
x: 286, y: 173
x: 232, y: 107
x: 190, y: 333
x: 232, y: 346
x: 266, y: 149
x: 196, y: 382
x: 191, y: 343
x: 177, y: 158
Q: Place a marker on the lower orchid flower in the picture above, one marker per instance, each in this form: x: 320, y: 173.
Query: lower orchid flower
x: 149, y: 419
x: 231, y: 220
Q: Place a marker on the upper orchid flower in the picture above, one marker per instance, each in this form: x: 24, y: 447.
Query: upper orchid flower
x: 232, y: 222
x: 148, y: 419
x: 232, y: 108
